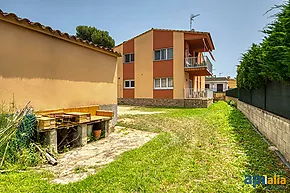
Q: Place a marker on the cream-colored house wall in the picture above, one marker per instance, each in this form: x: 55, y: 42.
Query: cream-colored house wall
x: 120, y: 81
x: 53, y: 73
x: 202, y: 82
x: 178, y: 64
x: 196, y: 83
x: 232, y: 83
x: 143, y: 66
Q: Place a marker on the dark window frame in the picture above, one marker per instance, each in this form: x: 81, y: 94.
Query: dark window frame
x: 131, y: 84
x: 163, y: 54
x: 130, y: 57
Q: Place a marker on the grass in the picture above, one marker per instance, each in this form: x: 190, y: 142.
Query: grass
x: 197, y: 150
x: 80, y: 169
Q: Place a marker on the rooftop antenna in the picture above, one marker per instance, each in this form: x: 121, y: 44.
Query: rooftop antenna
x: 191, y: 19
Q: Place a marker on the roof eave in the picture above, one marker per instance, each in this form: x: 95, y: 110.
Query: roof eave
x: 184, y: 31
x: 47, y: 30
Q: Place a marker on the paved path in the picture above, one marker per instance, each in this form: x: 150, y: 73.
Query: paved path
x: 78, y: 163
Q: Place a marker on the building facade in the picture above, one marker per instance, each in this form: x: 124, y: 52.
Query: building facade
x: 53, y: 69
x: 220, y: 84
x: 217, y: 84
x: 164, y: 64
x: 232, y: 83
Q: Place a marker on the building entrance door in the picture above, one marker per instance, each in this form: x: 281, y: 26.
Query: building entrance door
x: 219, y: 87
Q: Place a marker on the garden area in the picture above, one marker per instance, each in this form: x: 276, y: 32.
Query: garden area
x: 196, y: 150
x: 185, y: 149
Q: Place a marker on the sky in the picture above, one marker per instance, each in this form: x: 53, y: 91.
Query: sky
x: 234, y: 24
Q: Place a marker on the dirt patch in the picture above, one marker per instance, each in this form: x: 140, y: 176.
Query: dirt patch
x: 125, y: 120
x: 81, y: 162
x: 125, y: 110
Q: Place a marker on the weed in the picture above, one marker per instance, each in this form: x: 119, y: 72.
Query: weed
x: 80, y: 169
x: 232, y: 103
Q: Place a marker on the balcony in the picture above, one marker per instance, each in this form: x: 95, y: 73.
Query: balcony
x: 198, y: 67
x: 190, y: 93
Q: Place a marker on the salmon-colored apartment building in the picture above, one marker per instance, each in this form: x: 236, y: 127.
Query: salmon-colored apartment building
x: 163, y: 67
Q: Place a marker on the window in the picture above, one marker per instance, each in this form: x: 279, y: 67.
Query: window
x: 170, y: 53
x: 170, y: 82
x: 128, y: 58
x: 157, y: 54
x: 163, y: 54
x: 156, y: 83
x: 129, y: 84
x: 207, y: 86
x: 163, y: 83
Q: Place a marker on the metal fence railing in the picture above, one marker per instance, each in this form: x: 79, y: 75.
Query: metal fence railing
x: 273, y: 97
x: 195, y: 62
x: 208, y: 64
x: 190, y: 93
x: 192, y: 62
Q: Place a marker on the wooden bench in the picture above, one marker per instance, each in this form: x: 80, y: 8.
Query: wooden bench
x: 49, y: 122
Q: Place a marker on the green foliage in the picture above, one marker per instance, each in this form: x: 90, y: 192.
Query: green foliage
x: 26, y: 131
x: 20, y: 152
x: 269, y: 60
x: 277, y: 46
x: 92, y: 34
x: 232, y: 103
x: 250, y: 74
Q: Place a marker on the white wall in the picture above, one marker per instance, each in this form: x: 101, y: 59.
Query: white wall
x: 213, y: 85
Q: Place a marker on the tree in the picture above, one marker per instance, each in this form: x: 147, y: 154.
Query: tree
x: 92, y: 34
x: 277, y: 46
x: 270, y: 60
x: 250, y: 72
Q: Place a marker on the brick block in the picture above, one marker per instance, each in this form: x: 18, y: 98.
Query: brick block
x: 287, y: 156
x: 287, y: 148
x: 287, y: 128
x: 283, y: 147
x: 284, y: 136
x: 279, y: 133
x: 287, y: 138
x: 275, y: 138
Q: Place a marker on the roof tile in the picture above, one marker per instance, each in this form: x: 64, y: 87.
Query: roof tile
x: 56, y: 32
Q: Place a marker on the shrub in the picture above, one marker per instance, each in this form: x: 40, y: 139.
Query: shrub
x: 17, y: 141
x: 268, y: 61
x: 232, y: 103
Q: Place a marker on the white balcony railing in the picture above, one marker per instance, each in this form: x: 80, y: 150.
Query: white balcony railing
x: 193, y: 62
x: 190, y: 93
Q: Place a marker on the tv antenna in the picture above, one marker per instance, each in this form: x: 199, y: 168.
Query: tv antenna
x: 191, y: 19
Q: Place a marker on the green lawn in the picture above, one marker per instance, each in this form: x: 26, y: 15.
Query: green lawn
x: 197, y: 150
